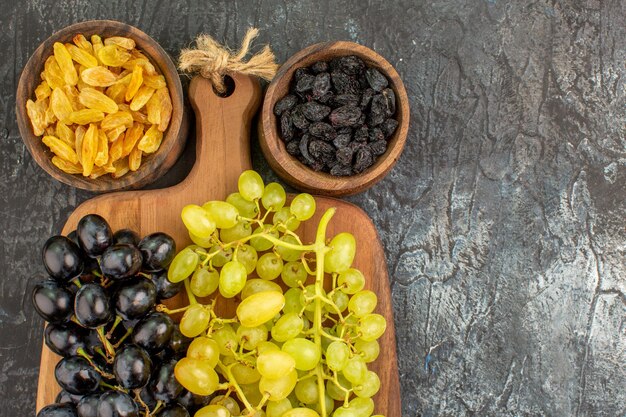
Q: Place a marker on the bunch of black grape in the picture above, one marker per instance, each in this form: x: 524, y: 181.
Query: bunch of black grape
x: 118, y: 352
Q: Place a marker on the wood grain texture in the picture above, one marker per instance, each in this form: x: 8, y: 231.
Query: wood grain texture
x: 290, y: 168
x: 153, y: 166
x: 222, y: 153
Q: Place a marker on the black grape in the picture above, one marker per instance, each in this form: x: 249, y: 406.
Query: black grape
x: 126, y: 236
x: 117, y: 404
x: 65, y: 397
x: 132, y: 367
x: 94, y: 234
x: 62, y: 258
x: 153, y: 332
x: 52, y: 301
x: 134, y: 299
x: 92, y: 306
x: 88, y: 405
x: 164, y: 385
x: 66, y: 339
x: 58, y: 410
x: 173, y: 410
x: 76, y: 375
x: 165, y: 288
x: 120, y: 261
x: 158, y: 250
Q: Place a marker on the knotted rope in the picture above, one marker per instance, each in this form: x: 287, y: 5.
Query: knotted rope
x: 212, y: 60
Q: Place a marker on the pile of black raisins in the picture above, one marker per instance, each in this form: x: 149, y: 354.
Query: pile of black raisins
x: 338, y: 116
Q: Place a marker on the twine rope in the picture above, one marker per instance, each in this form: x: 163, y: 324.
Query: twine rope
x: 212, y: 60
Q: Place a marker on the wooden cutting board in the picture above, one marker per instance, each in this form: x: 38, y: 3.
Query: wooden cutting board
x: 222, y: 153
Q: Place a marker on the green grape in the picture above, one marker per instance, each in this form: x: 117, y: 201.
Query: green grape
x: 198, y: 221
x: 329, y: 402
x: 355, y: 370
x: 195, y: 320
x: 259, y: 308
x: 278, y: 408
x: 260, y: 243
x: 269, y: 266
x: 224, y: 214
x: 239, y: 231
x: 196, y: 375
x: 213, y: 411
x: 293, y: 274
x: 292, y: 301
x: 273, y: 196
x: 227, y: 402
x: 334, y: 390
x: 183, y: 265
x: 244, y: 207
x: 287, y: 327
x: 288, y: 254
x: 306, y: 391
x: 341, y: 254
x: 250, y: 337
x: 226, y: 340
x: 285, y: 220
x: 337, y: 355
x: 351, y: 281
x: 278, y: 388
x: 247, y: 255
x: 307, y: 323
x: 250, y: 185
x: 253, y: 394
x: 222, y: 257
x: 244, y: 374
x: 204, y: 348
x: 363, y: 406
x: 306, y: 353
x: 362, y: 303
x: 200, y: 241
x: 275, y: 364
x: 256, y: 285
x: 303, y: 206
x: 372, y: 326
x: 301, y: 412
x: 369, y: 351
x: 204, y: 282
x: 310, y: 315
x: 348, y: 326
x: 341, y: 300
x: 263, y: 347
x: 232, y: 279
x: 369, y: 387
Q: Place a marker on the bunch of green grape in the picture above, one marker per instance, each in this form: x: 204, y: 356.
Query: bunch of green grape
x: 293, y: 350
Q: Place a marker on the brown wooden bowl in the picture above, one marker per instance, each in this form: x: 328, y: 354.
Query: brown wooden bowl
x: 290, y: 168
x: 152, y: 166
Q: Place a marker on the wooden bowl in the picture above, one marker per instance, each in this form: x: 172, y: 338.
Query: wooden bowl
x: 152, y: 166
x: 290, y: 168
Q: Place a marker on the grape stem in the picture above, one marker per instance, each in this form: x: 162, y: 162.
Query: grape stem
x: 108, y: 347
x: 192, y: 298
x: 233, y: 383
x: 320, y: 249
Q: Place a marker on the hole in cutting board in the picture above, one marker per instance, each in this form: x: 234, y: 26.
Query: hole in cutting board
x: 229, y: 83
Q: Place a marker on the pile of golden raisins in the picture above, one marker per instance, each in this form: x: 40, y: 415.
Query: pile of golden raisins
x: 100, y: 107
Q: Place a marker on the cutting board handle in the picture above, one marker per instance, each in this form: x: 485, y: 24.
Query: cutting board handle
x: 222, y: 135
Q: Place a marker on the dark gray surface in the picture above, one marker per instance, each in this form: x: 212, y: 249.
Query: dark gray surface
x: 503, y: 222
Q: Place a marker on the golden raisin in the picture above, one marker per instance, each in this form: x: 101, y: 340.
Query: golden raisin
x: 50, y: 118
x: 120, y: 41
x: 134, y: 159
x: 114, y: 134
x: 94, y: 99
x: 67, y: 166
x: 64, y: 59
x: 61, y: 105
x: 82, y: 42
x: 165, y: 107
x: 60, y: 148
x: 79, y: 134
x: 121, y: 168
x: 117, y: 148
x: 81, y: 56
x: 153, y: 108
x: 102, y: 156
x: 86, y: 116
x: 141, y: 98
x: 98, y: 76
x: 43, y: 91
x: 113, y: 56
x: 66, y: 134
x: 133, y: 135
x: 116, y: 92
x: 151, y: 140
x: 114, y: 120
x: 135, y: 82
x: 154, y: 81
x: 52, y: 73
x: 37, y: 114
x: 89, y: 149
x: 96, y: 42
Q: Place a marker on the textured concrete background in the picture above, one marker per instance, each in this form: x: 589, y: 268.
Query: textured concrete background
x: 503, y: 222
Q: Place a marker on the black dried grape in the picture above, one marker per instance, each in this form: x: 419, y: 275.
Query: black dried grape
x: 284, y: 104
x: 314, y: 111
x: 339, y: 116
x: 345, y: 116
x: 376, y: 80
